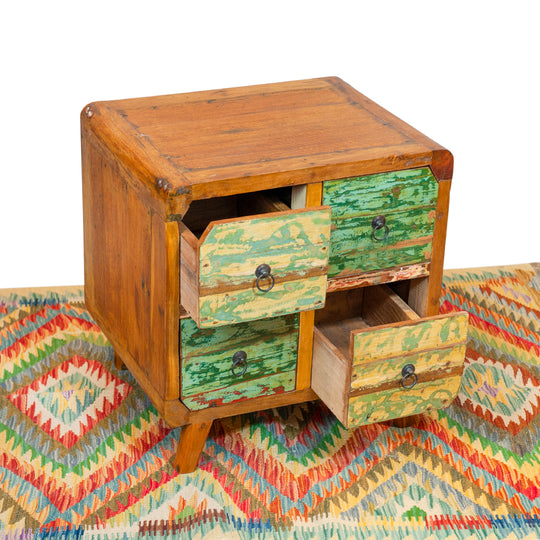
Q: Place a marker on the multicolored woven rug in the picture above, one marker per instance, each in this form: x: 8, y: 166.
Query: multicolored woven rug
x: 83, y: 454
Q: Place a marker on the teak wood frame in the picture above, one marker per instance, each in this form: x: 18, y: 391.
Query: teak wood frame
x: 133, y: 223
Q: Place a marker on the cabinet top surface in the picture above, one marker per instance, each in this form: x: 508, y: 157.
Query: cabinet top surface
x: 213, y: 143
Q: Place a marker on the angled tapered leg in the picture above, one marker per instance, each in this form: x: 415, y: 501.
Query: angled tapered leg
x: 190, y: 446
x: 118, y: 361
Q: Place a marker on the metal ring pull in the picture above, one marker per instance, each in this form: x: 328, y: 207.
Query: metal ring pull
x: 264, y: 271
x: 239, y: 363
x: 378, y: 223
x: 408, y: 373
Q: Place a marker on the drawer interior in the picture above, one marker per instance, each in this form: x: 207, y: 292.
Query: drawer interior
x: 350, y: 310
x: 202, y: 212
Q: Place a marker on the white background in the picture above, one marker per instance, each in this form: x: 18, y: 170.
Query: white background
x: 465, y: 73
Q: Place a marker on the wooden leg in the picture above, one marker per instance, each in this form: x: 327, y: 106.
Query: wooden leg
x: 118, y: 362
x: 406, y: 421
x: 190, y: 446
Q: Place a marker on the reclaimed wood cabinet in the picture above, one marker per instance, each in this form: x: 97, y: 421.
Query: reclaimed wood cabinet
x: 255, y: 247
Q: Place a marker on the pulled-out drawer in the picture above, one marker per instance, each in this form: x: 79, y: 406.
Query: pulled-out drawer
x: 249, y: 267
x: 375, y: 359
x: 232, y: 363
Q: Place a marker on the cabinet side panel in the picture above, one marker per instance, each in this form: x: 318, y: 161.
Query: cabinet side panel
x: 128, y: 285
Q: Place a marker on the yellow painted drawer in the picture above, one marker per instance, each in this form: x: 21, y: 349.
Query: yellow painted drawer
x: 254, y: 266
x: 374, y: 359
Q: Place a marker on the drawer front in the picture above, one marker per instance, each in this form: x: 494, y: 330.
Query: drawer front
x: 381, y: 388
x: 294, y: 245
x: 406, y: 199
x: 213, y: 376
x: 392, y: 404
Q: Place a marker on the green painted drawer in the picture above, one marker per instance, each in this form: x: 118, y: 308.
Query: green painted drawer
x: 406, y: 199
x: 209, y: 378
x: 358, y: 369
x: 219, y: 280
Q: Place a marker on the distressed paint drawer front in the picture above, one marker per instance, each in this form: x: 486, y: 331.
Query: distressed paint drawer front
x: 207, y: 354
x: 365, y: 383
x: 435, y: 346
x: 407, y: 200
x: 294, y: 244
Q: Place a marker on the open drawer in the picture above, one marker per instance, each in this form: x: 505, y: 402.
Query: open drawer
x: 375, y: 359
x: 261, y: 259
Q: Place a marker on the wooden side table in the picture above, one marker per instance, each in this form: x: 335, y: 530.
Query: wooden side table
x: 256, y: 247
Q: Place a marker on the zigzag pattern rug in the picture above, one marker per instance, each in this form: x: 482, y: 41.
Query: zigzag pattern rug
x: 83, y: 454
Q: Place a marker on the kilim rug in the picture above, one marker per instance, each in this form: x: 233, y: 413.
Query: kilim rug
x: 83, y: 453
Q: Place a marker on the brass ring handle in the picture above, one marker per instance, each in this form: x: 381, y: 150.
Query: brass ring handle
x: 239, y: 359
x: 408, y: 373
x: 262, y: 272
x: 378, y: 223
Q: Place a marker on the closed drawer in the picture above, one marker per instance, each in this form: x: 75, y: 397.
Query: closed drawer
x: 381, y: 221
x: 255, y: 266
x: 232, y: 363
x: 381, y: 361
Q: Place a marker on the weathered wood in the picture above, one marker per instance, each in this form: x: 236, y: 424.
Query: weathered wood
x: 407, y: 337
x: 390, y: 404
x: 375, y: 277
x: 406, y: 199
x: 250, y: 405
x: 355, y: 364
x: 219, y: 285
x: 208, y: 380
x: 429, y: 365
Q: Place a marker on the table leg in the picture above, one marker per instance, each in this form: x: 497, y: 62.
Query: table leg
x: 191, y: 444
